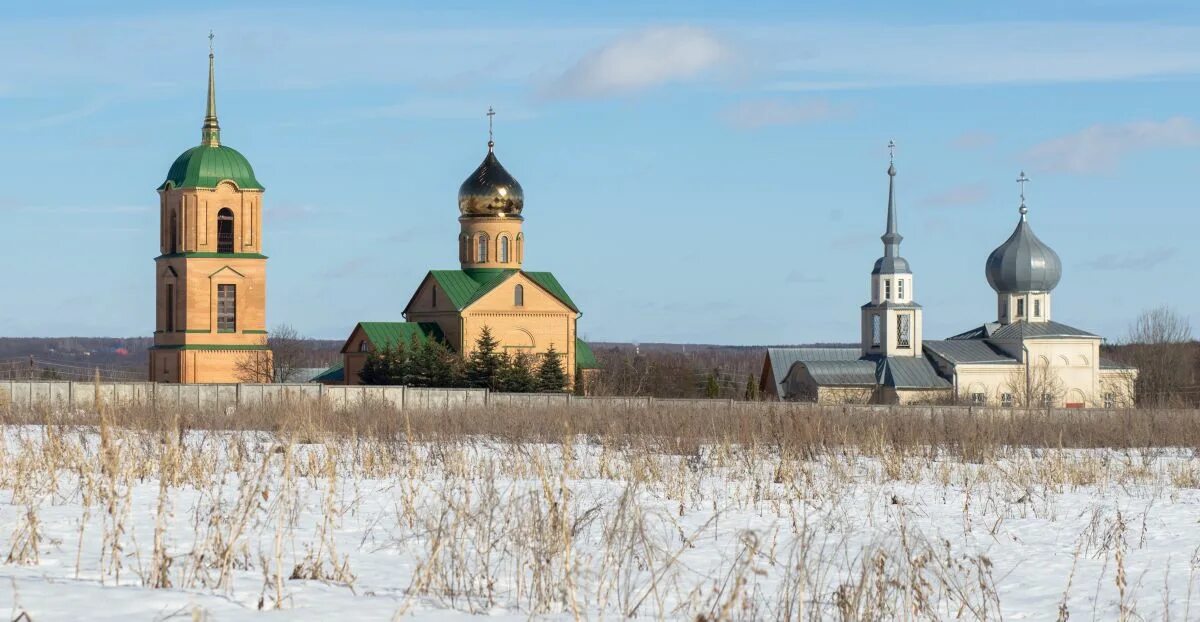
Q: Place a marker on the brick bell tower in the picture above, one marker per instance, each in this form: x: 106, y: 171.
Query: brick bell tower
x: 211, y: 282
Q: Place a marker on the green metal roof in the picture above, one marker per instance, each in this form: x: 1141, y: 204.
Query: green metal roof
x: 337, y: 373
x: 388, y: 334
x: 464, y: 287
x: 584, y: 358
x: 205, y: 166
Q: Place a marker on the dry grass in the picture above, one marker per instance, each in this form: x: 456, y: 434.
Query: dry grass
x: 490, y: 507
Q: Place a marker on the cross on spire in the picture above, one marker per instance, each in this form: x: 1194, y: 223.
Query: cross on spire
x: 211, y: 36
x: 891, y: 151
x: 490, y: 115
x: 1022, y: 180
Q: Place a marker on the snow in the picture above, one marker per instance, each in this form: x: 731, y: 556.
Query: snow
x: 477, y: 527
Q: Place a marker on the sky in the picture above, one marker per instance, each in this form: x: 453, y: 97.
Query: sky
x: 699, y: 172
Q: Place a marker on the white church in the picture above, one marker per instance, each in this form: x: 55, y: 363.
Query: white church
x: 1023, y: 358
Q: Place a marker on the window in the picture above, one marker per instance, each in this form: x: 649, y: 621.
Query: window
x: 899, y: 289
x: 503, y: 249
x: 1020, y: 307
x: 1110, y: 400
x: 1006, y: 400
x: 364, y: 346
x: 887, y: 289
x: 226, y: 308
x: 1037, y: 307
x: 173, y: 234
x: 519, y: 296
x: 481, y: 251
x: 1047, y: 400
x: 876, y: 329
x: 433, y: 294
x: 464, y: 248
x: 904, y: 330
x: 978, y: 399
x: 225, y: 230
x: 170, y: 326
x: 520, y: 247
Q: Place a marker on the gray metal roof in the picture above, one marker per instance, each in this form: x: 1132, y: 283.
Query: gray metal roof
x: 888, y: 304
x: 906, y: 372
x: 901, y: 372
x: 1022, y: 329
x: 841, y: 373
x: 967, y: 351
x: 782, y: 359
x: 1023, y: 263
x: 1107, y: 363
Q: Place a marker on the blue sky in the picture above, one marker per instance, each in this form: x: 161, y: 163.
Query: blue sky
x: 693, y: 171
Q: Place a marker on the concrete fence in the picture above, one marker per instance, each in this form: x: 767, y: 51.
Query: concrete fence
x: 24, y: 395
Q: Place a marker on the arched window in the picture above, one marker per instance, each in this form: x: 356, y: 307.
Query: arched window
x: 225, y: 230
x: 173, y: 234
x: 502, y: 248
x: 481, y: 252
x: 364, y: 346
x: 520, y: 247
x: 464, y: 248
x: 519, y: 296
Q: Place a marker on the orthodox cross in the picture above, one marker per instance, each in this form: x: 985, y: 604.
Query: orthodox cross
x: 891, y: 150
x: 210, y: 42
x: 1022, y: 180
x: 490, y: 115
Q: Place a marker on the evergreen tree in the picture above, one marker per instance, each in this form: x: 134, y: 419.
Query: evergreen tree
x: 483, y: 366
x: 385, y: 367
x: 712, y: 390
x: 550, y: 375
x: 751, y: 394
x: 518, y: 376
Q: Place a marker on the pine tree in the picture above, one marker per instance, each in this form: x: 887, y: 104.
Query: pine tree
x: 550, y: 375
x: 385, y: 367
x: 711, y: 389
x: 483, y: 366
x: 518, y: 376
x: 751, y: 394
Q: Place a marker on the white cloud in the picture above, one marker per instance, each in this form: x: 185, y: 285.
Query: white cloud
x: 958, y: 196
x: 1100, y: 148
x: 754, y: 114
x: 818, y: 56
x: 640, y: 61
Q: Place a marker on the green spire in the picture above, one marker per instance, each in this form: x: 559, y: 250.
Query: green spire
x: 210, y: 135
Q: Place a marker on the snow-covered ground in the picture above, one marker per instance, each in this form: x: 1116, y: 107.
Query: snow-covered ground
x: 140, y: 527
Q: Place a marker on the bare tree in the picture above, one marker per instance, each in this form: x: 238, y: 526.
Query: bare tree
x: 1161, y: 347
x: 284, y: 357
x: 1037, y: 386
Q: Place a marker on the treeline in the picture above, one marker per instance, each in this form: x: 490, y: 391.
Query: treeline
x: 430, y: 363
x: 678, y: 371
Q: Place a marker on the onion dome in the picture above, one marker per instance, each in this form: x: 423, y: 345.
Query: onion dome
x: 891, y: 262
x: 211, y: 163
x: 1023, y: 263
x: 491, y: 191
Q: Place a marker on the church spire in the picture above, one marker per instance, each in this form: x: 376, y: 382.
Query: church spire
x: 891, y: 237
x: 210, y: 134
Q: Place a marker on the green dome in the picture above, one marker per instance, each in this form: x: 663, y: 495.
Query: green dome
x: 206, y: 166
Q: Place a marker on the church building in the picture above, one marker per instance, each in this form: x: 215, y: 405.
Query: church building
x: 526, y: 311
x: 1022, y: 359
x: 211, y: 287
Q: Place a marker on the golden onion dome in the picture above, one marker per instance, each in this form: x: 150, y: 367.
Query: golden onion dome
x: 490, y: 191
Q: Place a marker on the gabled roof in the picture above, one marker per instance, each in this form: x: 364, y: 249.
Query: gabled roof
x: 840, y: 373
x: 906, y: 372
x: 584, y: 357
x: 389, y: 334
x: 464, y: 287
x: 1022, y: 329
x: 959, y: 351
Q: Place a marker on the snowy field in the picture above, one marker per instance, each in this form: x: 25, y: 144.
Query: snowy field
x: 221, y: 526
